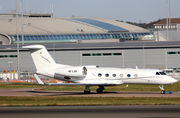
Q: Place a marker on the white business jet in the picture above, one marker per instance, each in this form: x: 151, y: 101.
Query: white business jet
x: 92, y: 75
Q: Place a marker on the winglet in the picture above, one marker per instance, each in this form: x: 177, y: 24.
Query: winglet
x: 136, y: 67
x: 38, y: 79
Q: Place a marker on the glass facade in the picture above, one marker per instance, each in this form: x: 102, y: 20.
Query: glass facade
x: 99, y: 24
x: 74, y: 37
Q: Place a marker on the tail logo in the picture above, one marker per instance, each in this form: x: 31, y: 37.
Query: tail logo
x: 46, y: 58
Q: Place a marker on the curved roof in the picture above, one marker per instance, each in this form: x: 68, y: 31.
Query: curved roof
x: 99, y: 24
x: 129, y: 27
x: 60, y: 26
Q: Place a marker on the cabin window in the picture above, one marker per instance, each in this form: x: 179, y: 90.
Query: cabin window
x: 135, y: 75
x: 99, y: 75
x: 114, y: 75
x: 107, y: 75
x: 128, y: 75
x: 121, y: 75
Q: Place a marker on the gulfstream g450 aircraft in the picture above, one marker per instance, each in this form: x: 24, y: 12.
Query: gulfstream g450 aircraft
x: 90, y: 75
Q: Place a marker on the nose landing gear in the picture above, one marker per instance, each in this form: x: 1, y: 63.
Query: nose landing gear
x: 162, y: 89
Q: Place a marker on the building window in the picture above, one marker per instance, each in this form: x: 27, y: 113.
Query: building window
x: 8, y: 56
x: 107, y: 54
x: 96, y: 54
x: 86, y: 54
x: 173, y: 52
x: 102, y: 54
x: 117, y: 53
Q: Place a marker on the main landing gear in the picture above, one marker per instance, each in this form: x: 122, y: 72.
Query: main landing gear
x: 99, y: 90
x: 162, y: 89
x: 87, y: 90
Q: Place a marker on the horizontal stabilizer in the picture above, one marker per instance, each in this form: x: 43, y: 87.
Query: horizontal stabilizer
x: 34, y: 47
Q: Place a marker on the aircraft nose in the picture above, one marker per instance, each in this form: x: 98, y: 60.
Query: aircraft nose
x: 174, y: 81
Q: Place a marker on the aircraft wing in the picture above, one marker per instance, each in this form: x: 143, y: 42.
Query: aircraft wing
x: 91, y: 84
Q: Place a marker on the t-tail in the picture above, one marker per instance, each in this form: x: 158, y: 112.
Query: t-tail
x: 41, y: 57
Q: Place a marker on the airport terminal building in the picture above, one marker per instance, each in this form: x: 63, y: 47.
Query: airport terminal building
x: 159, y: 55
x: 72, y: 29
x: 85, y: 41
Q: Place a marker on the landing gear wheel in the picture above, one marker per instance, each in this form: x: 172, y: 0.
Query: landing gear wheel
x: 99, y: 90
x: 87, y: 92
x: 163, y: 92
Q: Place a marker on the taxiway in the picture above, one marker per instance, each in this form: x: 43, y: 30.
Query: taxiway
x: 34, y: 92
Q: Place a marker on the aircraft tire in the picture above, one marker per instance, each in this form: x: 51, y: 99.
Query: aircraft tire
x: 99, y: 90
x: 87, y: 92
x: 163, y: 92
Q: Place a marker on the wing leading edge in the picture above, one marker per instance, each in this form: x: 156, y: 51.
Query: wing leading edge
x: 90, y: 84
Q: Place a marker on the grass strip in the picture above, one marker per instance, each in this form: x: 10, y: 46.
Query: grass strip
x: 55, y: 101
x: 132, y: 87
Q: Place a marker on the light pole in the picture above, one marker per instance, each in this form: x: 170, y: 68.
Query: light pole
x: 22, y: 21
x: 144, y: 56
x: 167, y: 35
x: 10, y: 62
x: 17, y: 41
x: 53, y: 50
x: 168, y: 19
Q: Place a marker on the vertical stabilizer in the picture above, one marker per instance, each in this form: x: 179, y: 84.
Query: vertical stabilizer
x: 41, y: 57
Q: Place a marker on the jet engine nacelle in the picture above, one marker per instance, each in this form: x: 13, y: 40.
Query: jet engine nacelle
x: 69, y: 73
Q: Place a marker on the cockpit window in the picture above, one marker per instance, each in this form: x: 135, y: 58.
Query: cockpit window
x: 160, y: 73
x: 157, y: 73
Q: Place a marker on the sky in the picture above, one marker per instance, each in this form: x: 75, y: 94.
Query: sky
x: 123, y: 10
